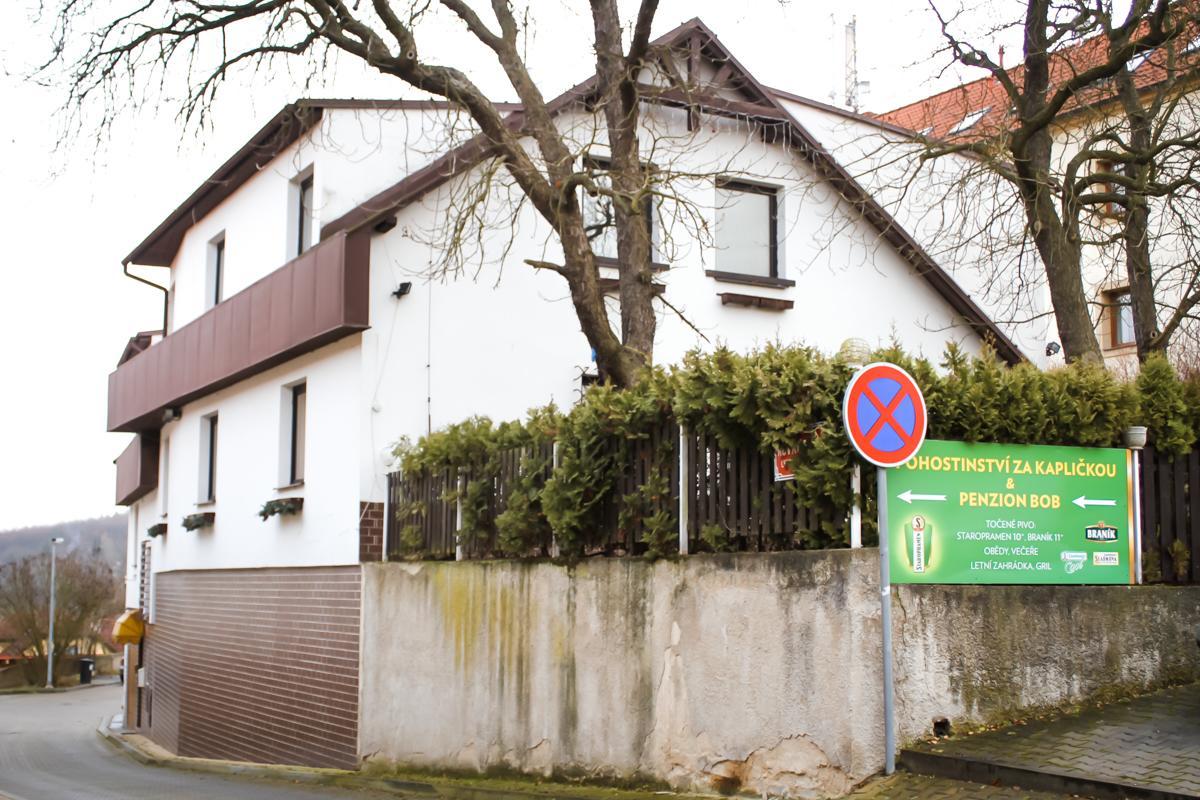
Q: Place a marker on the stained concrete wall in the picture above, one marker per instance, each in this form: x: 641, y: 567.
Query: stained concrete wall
x: 753, y: 672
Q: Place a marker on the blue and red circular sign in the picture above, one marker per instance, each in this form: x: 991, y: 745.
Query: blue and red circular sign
x: 884, y: 412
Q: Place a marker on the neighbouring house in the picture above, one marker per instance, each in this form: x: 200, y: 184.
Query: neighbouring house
x: 10, y: 652
x: 309, y: 324
x: 1093, y: 120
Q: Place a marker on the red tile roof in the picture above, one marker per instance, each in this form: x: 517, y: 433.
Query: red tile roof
x: 942, y: 115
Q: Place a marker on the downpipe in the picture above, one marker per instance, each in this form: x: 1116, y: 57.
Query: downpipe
x: 162, y: 289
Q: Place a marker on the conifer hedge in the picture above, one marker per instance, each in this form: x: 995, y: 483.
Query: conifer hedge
x: 788, y: 398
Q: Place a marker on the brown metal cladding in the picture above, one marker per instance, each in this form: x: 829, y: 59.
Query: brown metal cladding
x: 311, y: 301
x: 137, y: 469
x: 257, y: 665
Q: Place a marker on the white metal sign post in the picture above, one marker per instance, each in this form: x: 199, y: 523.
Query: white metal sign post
x: 884, y: 414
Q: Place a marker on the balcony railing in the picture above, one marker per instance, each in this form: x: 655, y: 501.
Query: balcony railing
x: 309, y: 302
x: 137, y: 469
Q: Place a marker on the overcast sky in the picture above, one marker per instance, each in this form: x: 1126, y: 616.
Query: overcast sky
x: 70, y: 214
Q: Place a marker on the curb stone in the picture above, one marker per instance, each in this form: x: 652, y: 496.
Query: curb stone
x: 147, y: 753
x: 24, y: 690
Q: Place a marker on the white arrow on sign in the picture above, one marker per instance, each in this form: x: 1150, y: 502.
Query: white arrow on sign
x: 1084, y: 502
x: 908, y: 496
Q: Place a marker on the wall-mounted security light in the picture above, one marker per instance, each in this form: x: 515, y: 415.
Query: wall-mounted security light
x: 1052, y: 348
x: 402, y: 290
x: 386, y: 224
x: 171, y: 414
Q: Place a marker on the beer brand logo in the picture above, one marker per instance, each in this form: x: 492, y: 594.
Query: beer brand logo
x: 1073, y: 561
x: 1106, y: 559
x: 1100, y: 533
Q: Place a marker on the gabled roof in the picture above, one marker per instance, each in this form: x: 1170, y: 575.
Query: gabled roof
x: 937, y: 115
x: 284, y: 129
x: 695, y: 38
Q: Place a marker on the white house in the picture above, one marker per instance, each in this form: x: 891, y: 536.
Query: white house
x: 1095, y: 124
x: 310, y: 321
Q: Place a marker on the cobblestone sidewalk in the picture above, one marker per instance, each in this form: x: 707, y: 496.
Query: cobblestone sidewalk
x: 906, y: 786
x: 1150, y: 742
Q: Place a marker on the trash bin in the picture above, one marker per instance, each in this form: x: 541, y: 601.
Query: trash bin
x: 87, y: 667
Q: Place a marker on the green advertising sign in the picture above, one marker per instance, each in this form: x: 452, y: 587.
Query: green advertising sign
x: 990, y: 513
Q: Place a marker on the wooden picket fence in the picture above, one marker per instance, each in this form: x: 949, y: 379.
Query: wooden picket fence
x: 419, y: 502
x: 736, y: 490
x: 1171, y: 517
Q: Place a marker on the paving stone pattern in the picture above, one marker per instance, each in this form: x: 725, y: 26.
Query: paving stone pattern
x: 906, y: 786
x: 1151, y: 742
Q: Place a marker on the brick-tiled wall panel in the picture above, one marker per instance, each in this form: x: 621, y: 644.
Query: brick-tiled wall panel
x: 370, y: 531
x: 257, y: 665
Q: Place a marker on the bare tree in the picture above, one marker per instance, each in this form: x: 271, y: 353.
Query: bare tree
x: 1091, y: 149
x: 209, y: 39
x: 87, y: 590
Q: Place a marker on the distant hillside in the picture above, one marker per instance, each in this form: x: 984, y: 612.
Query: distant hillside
x: 105, y: 535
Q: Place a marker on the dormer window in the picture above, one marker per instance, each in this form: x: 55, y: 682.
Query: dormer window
x: 969, y: 121
x: 1193, y: 47
x: 1135, y: 63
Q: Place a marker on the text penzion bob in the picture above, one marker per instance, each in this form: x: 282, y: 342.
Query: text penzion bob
x: 1018, y: 514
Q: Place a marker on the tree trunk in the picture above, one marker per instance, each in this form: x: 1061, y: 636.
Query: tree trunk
x: 1136, y: 231
x: 632, y: 205
x: 1057, y: 244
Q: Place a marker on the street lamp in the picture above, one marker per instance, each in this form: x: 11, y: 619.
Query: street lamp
x: 57, y: 540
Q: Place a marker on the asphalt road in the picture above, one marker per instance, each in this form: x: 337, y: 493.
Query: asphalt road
x: 49, y: 750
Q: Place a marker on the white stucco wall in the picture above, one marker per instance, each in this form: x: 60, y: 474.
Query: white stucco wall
x: 250, y: 445
x: 944, y: 211
x: 500, y: 338
x: 352, y: 153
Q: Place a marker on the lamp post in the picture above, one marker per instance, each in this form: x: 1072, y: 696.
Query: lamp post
x: 1135, y: 439
x: 54, y: 542
x: 854, y: 353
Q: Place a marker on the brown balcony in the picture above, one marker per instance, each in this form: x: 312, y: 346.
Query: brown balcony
x: 307, y: 303
x: 137, y: 469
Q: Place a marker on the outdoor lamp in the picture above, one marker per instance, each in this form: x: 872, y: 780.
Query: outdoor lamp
x: 854, y: 352
x: 1134, y: 437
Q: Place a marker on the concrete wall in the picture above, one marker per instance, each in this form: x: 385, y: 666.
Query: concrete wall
x: 752, y: 672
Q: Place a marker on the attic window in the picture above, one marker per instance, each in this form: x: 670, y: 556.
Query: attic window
x: 969, y: 121
x: 1135, y: 62
x: 1193, y: 47
x: 925, y: 131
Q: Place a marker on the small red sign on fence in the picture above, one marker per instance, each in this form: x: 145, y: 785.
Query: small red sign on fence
x: 783, y: 465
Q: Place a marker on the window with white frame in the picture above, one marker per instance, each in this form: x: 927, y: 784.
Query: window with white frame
x: 215, y: 288
x: 295, y: 407
x: 208, y: 459
x: 747, y: 219
x: 164, y: 473
x: 1118, y: 305
x: 599, y: 217
x: 301, y: 214
x: 1105, y: 167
